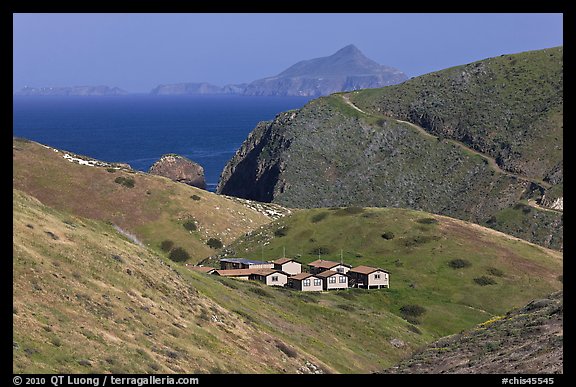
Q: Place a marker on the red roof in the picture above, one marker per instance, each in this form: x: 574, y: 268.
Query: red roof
x: 328, y: 273
x: 366, y: 269
x: 266, y: 272
x: 235, y: 272
x: 302, y: 276
x: 282, y: 261
x: 326, y: 264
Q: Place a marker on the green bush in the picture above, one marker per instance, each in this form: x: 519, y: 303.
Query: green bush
x: 495, y: 272
x: 214, y: 243
x: 388, y: 235
x: 190, y: 225
x: 427, y: 221
x: 111, y: 170
x: 412, y: 310
x: 125, y: 181
x: 459, y: 263
x: 286, y: 349
x: 179, y: 255
x: 166, y: 245
x: 414, y: 329
x: 319, y: 217
x: 484, y: 280
x: 281, y: 232
x: 195, y: 197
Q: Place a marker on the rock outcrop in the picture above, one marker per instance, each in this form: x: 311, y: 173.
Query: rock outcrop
x: 528, y: 340
x: 180, y: 169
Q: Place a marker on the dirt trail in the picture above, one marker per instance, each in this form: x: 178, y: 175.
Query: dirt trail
x: 491, y: 161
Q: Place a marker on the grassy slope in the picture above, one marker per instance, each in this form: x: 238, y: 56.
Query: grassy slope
x: 91, y: 301
x: 524, y: 341
x: 417, y: 258
x: 509, y: 107
x: 156, y: 318
x: 88, y: 300
x: 155, y: 209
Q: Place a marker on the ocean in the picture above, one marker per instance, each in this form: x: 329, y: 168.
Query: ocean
x: 139, y: 129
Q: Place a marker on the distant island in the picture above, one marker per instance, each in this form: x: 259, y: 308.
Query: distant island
x: 71, y: 90
x: 347, y: 69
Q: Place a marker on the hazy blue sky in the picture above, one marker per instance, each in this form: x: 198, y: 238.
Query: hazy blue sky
x: 139, y: 51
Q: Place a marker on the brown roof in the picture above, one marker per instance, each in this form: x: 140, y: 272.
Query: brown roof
x: 265, y: 272
x: 325, y: 264
x: 301, y: 276
x: 203, y: 269
x: 281, y: 261
x: 366, y: 269
x: 328, y: 273
x: 235, y: 272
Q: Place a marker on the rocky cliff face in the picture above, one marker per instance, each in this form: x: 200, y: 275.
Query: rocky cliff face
x: 180, y: 169
x: 332, y: 153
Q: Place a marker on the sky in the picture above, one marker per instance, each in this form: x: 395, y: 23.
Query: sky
x: 139, y: 51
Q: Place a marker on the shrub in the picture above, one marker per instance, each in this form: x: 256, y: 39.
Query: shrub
x: 484, y: 280
x: 281, y: 232
x: 412, y: 320
x: 320, y: 250
x: 286, y: 349
x: 414, y: 329
x: 495, y: 272
x: 459, y: 263
x: 420, y: 240
x: 166, y: 245
x: 195, y: 197
x: 388, y: 235
x: 179, y: 255
x: 427, y: 221
x: 190, y: 225
x: 125, y: 181
x: 319, y: 217
x: 412, y: 310
x: 214, y: 243
x: 111, y: 170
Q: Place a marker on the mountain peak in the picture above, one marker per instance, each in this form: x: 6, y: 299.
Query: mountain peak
x: 349, y: 50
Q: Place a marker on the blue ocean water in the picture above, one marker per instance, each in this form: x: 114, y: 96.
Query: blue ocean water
x: 138, y: 129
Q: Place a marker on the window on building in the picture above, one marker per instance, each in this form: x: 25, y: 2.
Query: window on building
x: 317, y: 282
x: 306, y: 282
x: 340, y: 270
x: 274, y: 278
x: 332, y: 279
x: 376, y: 276
x: 342, y: 279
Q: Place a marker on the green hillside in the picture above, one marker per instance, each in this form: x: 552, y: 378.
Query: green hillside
x: 87, y: 300
x: 461, y: 273
x: 152, y: 208
x: 480, y: 142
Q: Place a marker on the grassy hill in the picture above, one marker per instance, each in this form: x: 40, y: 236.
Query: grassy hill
x: 88, y: 299
x: 461, y: 273
x: 527, y: 340
x: 477, y: 142
x: 152, y: 208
